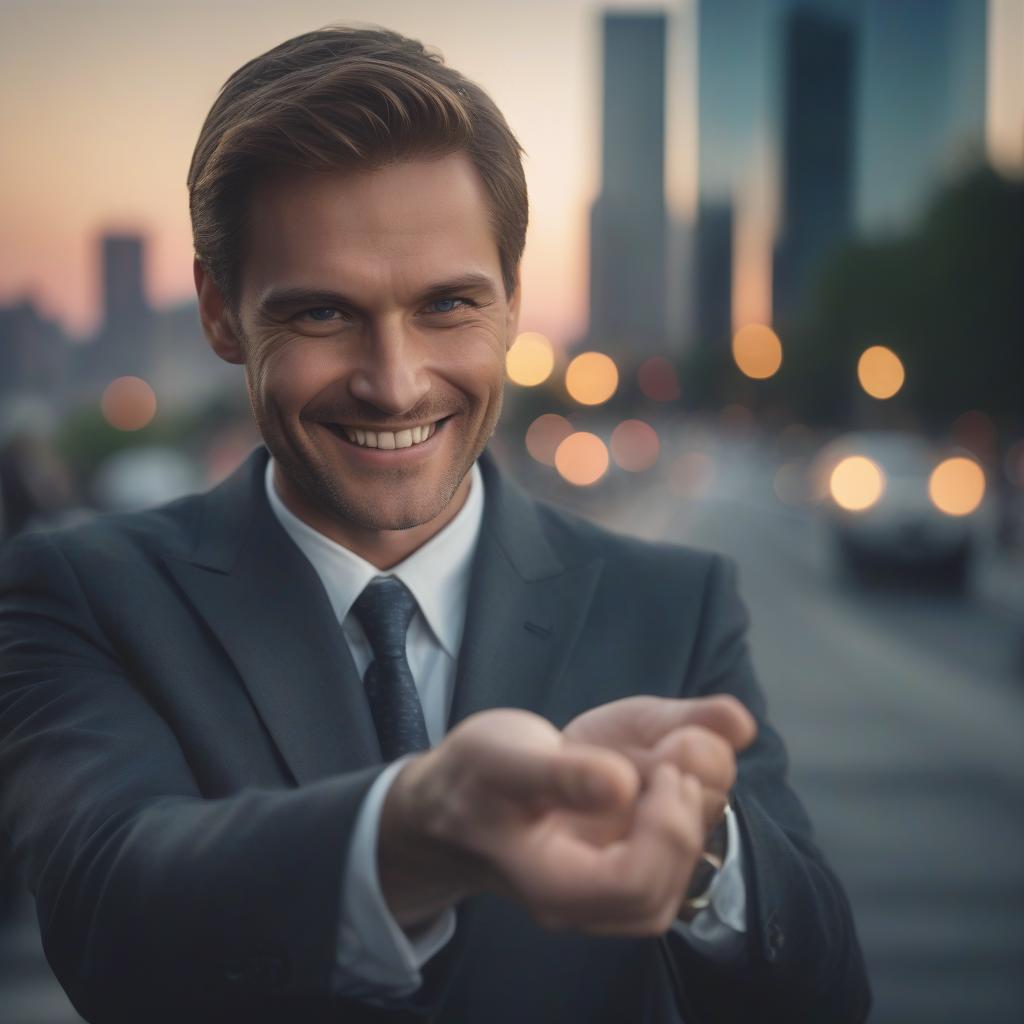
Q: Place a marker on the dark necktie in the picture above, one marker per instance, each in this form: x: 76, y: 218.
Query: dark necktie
x: 385, y: 609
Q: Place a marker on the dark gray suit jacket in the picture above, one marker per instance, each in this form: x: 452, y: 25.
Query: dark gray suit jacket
x: 184, y: 745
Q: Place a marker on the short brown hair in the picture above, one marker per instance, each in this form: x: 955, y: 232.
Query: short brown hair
x: 337, y: 99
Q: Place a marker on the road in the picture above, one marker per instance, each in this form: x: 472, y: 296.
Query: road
x: 903, y: 710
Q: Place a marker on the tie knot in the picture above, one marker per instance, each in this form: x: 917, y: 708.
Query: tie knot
x: 384, y: 610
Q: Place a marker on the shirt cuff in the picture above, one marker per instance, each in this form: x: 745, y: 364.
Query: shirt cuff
x: 375, y: 957
x: 718, y: 930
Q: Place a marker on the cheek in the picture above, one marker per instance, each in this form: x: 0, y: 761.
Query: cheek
x: 476, y: 364
x: 288, y: 376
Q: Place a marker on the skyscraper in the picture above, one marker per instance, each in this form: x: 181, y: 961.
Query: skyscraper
x: 122, y: 344
x: 124, y: 292
x: 628, y: 220
x: 817, y: 187
x: 713, y: 273
x: 921, y: 103
x: 735, y: 45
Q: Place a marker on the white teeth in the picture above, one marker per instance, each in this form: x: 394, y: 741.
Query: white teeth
x: 390, y: 439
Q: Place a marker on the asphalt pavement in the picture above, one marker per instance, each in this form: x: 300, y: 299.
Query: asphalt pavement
x: 902, y: 705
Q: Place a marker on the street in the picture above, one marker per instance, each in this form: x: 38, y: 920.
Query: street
x: 903, y: 710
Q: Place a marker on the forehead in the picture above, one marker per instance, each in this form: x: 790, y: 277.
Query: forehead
x: 387, y: 228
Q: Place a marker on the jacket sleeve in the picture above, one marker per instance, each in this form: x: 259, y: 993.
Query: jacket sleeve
x: 154, y: 903
x: 804, y: 962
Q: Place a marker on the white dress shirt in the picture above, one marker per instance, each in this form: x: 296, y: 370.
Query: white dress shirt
x: 376, y: 959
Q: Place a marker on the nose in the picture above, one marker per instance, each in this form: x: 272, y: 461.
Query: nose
x: 390, y: 372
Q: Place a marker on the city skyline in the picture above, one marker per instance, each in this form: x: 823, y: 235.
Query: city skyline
x: 78, y: 76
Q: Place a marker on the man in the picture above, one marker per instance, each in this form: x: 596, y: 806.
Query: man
x: 364, y: 733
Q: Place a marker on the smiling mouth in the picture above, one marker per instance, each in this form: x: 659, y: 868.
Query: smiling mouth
x: 388, y: 440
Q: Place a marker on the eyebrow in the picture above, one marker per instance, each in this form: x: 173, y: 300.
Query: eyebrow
x: 278, y: 300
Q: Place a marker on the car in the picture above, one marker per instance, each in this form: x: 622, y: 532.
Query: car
x: 893, y: 500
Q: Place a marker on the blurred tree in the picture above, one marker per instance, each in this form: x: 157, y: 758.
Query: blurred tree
x: 948, y: 298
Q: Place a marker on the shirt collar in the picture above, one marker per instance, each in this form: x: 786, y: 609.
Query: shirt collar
x: 437, y: 573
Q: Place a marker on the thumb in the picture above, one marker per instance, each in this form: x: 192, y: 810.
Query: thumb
x: 579, y: 776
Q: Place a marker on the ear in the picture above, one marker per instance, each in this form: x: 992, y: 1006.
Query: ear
x: 215, y: 316
x: 513, y: 312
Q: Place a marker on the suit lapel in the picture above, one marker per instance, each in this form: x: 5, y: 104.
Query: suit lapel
x: 525, y: 612
x: 266, y: 605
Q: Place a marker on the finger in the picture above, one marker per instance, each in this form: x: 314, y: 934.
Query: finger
x: 696, y: 750
x: 662, y: 852
x: 577, y: 776
x: 627, y: 886
x: 722, y: 714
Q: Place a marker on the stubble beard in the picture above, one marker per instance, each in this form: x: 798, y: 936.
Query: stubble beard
x: 315, y: 478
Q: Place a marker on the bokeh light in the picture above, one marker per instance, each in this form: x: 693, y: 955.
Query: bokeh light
x: 856, y: 483
x: 757, y: 351
x: 658, y: 380
x: 635, y: 446
x: 128, y: 403
x: 957, y: 486
x: 591, y: 378
x: 530, y: 360
x: 582, y: 459
x: 545, y: 434
x: 880, y: 372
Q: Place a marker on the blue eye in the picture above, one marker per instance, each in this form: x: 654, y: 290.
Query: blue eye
x: 317, y: 313
x: 448, y: 304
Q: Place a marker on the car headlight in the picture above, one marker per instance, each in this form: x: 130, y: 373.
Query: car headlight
x: 856, y: 483
x: 957, y: 486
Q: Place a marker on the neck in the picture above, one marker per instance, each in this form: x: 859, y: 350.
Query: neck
x: 383, y: 549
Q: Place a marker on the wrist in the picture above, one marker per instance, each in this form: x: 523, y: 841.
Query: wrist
x: 421, y: 872
x: 707, y: 869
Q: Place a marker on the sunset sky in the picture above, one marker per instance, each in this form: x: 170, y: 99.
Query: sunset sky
x: 101, y: 102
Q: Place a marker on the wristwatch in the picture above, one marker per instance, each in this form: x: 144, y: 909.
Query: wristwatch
x: 711, y: 860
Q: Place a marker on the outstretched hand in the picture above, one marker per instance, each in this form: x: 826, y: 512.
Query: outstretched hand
x: 503, y: 803
x: 597, y: 827
x: 700, y: 736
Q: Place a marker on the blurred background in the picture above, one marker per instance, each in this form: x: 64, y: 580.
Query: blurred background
x: 773, y: 305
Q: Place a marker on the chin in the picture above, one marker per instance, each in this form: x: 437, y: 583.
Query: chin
x: 400, y: 505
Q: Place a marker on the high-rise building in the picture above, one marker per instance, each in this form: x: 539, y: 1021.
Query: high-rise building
x: 817, y: 152
x: 628, y: 234
x: 124, y: 291
x: 33, y: 352
x: 734, y: 50
x: 122, y: 345
x: 921, y: 103
x: 713, y: 273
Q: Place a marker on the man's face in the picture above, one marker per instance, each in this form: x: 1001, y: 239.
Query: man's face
x: 373, y: 311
